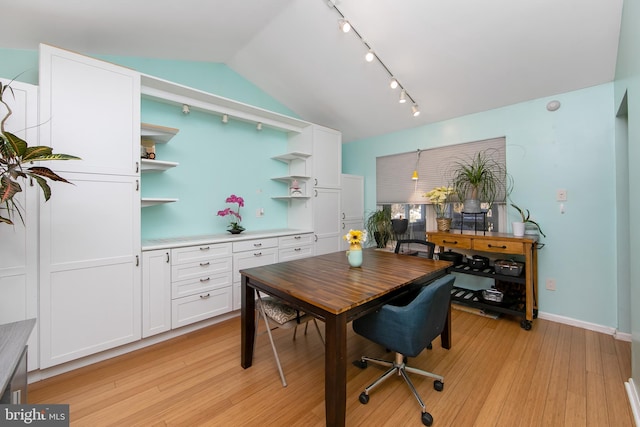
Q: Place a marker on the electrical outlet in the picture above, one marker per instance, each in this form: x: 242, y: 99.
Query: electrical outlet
x: 551, y: 284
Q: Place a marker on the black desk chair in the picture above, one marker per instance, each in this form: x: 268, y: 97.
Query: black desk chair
x: 428, y: 246
x: 407, y: 330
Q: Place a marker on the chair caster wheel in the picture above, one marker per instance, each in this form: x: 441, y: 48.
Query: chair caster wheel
x: 427, y: 419
x: 364, y: 398
x: 362, y: 364
x: 438, y: 385
x: 526, y: 325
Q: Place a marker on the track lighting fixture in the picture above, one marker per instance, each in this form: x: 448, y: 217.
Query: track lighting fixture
x: 225, y: 118
x: 259, y: 126
x: 403, y: 97
x: 185, y: 109
x: 369, y: 56
x: 346, y: 26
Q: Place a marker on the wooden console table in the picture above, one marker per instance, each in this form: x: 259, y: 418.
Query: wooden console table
x: 498, y: 243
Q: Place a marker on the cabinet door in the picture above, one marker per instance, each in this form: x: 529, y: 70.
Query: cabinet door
x: 89, y: 267
x: 326, y: 220
x: 327, y: 157
x: 19, y: 248
x: 156, y: 292
x: 352, y: 198
x: 90, y: 109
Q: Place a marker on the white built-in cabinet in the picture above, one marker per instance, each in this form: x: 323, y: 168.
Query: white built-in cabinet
x: 156, y: 292
x: 90, y: 278
x: 352, y: 205
x: 151, y: 134
x: 19, y: 242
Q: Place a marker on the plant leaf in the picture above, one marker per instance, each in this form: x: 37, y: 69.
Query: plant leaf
x: 18, y: 146
x: 46, y: 190
x: 8, y: 189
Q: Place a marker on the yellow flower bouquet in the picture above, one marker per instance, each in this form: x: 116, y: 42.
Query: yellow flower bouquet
x: 438, y: 197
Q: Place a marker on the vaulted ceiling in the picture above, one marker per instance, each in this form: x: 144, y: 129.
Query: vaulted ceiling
x: 454, y: 57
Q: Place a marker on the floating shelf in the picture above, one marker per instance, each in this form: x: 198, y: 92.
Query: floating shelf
x: 156, y: 165
x: 152, y: 201
x: 156, y: 133
x: 288, y: 157
x: 291, y: 197
x: 290, y: 178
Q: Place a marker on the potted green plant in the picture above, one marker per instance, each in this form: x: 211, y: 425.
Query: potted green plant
x: 15, y: 154
x: 479, y: 179
x: 526, y: 219
x: 379, y: 226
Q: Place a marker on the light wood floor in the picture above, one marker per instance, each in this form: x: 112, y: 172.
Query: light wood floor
x: 496, y: 374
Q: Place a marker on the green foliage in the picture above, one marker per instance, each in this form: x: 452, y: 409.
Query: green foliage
x: 526, y: 218
x: 379, y: 224
x: 15, y: 154
x: 480, y: 177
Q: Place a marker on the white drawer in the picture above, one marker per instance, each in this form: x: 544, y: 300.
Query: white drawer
x: 254, y: 258
x: 199, y: 253
x: 250, y: 245
x: 183, y: 288
x: 205, y: 305
x: 295, y: 240
x: 201, y: 269
x: 300, y: 251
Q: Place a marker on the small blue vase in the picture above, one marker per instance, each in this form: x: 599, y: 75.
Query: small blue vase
x: 355, y: 257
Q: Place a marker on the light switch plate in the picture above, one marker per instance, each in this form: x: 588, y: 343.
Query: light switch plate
x: 561, y: 195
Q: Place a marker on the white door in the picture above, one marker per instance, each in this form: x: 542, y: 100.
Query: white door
x: 352, y: 198
x: 19, y: 242
x: 327, y: 157
x: 326, y: 220
x: 156, y: 292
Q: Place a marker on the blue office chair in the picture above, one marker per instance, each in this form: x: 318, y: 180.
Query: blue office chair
x: 407, y: 330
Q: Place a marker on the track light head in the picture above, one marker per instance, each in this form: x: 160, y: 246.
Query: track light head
x: 225, y: 118
x: 415, y: 110
x: 259, y: 126
x: 393, y: 83
x: 403, y: 97
x: 344, y: 25
x: 185, y: 109
x: 369, y: 56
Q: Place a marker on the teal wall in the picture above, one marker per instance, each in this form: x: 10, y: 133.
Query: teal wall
x: 572, y: 149
x: 627, y: 88
x: 215, y: 159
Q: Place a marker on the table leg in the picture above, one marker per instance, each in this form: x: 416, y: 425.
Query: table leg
x: 248, y: 324
x: 335, y: 370
x: 445, y: 336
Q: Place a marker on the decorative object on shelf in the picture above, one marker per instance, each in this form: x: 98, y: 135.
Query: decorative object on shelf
x: 14, y: 153
x: 295, y: 188
x: 379, y: 225
x: 234, y: 225
x: 439, y: 199
x: 399, y: 227
x: 148, y: 149
x: 526, y: 219
x: 478, y: 179
x: 355, y: 238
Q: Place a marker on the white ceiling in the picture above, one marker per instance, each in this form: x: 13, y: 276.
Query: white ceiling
x: 454, y: 57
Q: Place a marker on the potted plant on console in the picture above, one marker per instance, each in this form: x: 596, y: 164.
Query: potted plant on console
x: 520, y: 226
x: 439, y: 199
x: 234, y: 225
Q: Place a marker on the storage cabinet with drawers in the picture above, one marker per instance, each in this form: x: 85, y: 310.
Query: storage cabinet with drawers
x: 201, y: 282
x: 496, y: 245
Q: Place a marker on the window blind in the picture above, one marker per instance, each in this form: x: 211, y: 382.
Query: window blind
x: 393, y: 172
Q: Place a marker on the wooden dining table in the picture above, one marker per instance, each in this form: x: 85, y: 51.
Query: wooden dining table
x: 326, y: 287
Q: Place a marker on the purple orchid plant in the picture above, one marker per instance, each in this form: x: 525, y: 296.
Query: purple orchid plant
x: 234, y: 225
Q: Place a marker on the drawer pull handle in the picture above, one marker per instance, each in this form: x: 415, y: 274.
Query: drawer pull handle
x: 298, y: 237
x: 499, y: 247
x: 205, y: 296
x: 455, y: 242
x: 257, y: 245
x: 205, y: 280
x: 205, y: 248
x: 257, y: 254
x: 204, y: 264
x: 297, y: 249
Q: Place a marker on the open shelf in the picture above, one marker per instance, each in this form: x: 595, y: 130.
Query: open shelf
x: 156, y: 165
x: 156, y: 133
x: 152, y: 201
x: 290, y: 197
x: 288, y: 157
x: 290, y: 178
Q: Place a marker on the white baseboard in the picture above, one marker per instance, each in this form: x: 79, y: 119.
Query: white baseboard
x: 632, y: 393
x: 585, y: 325
x: 41, y: 374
